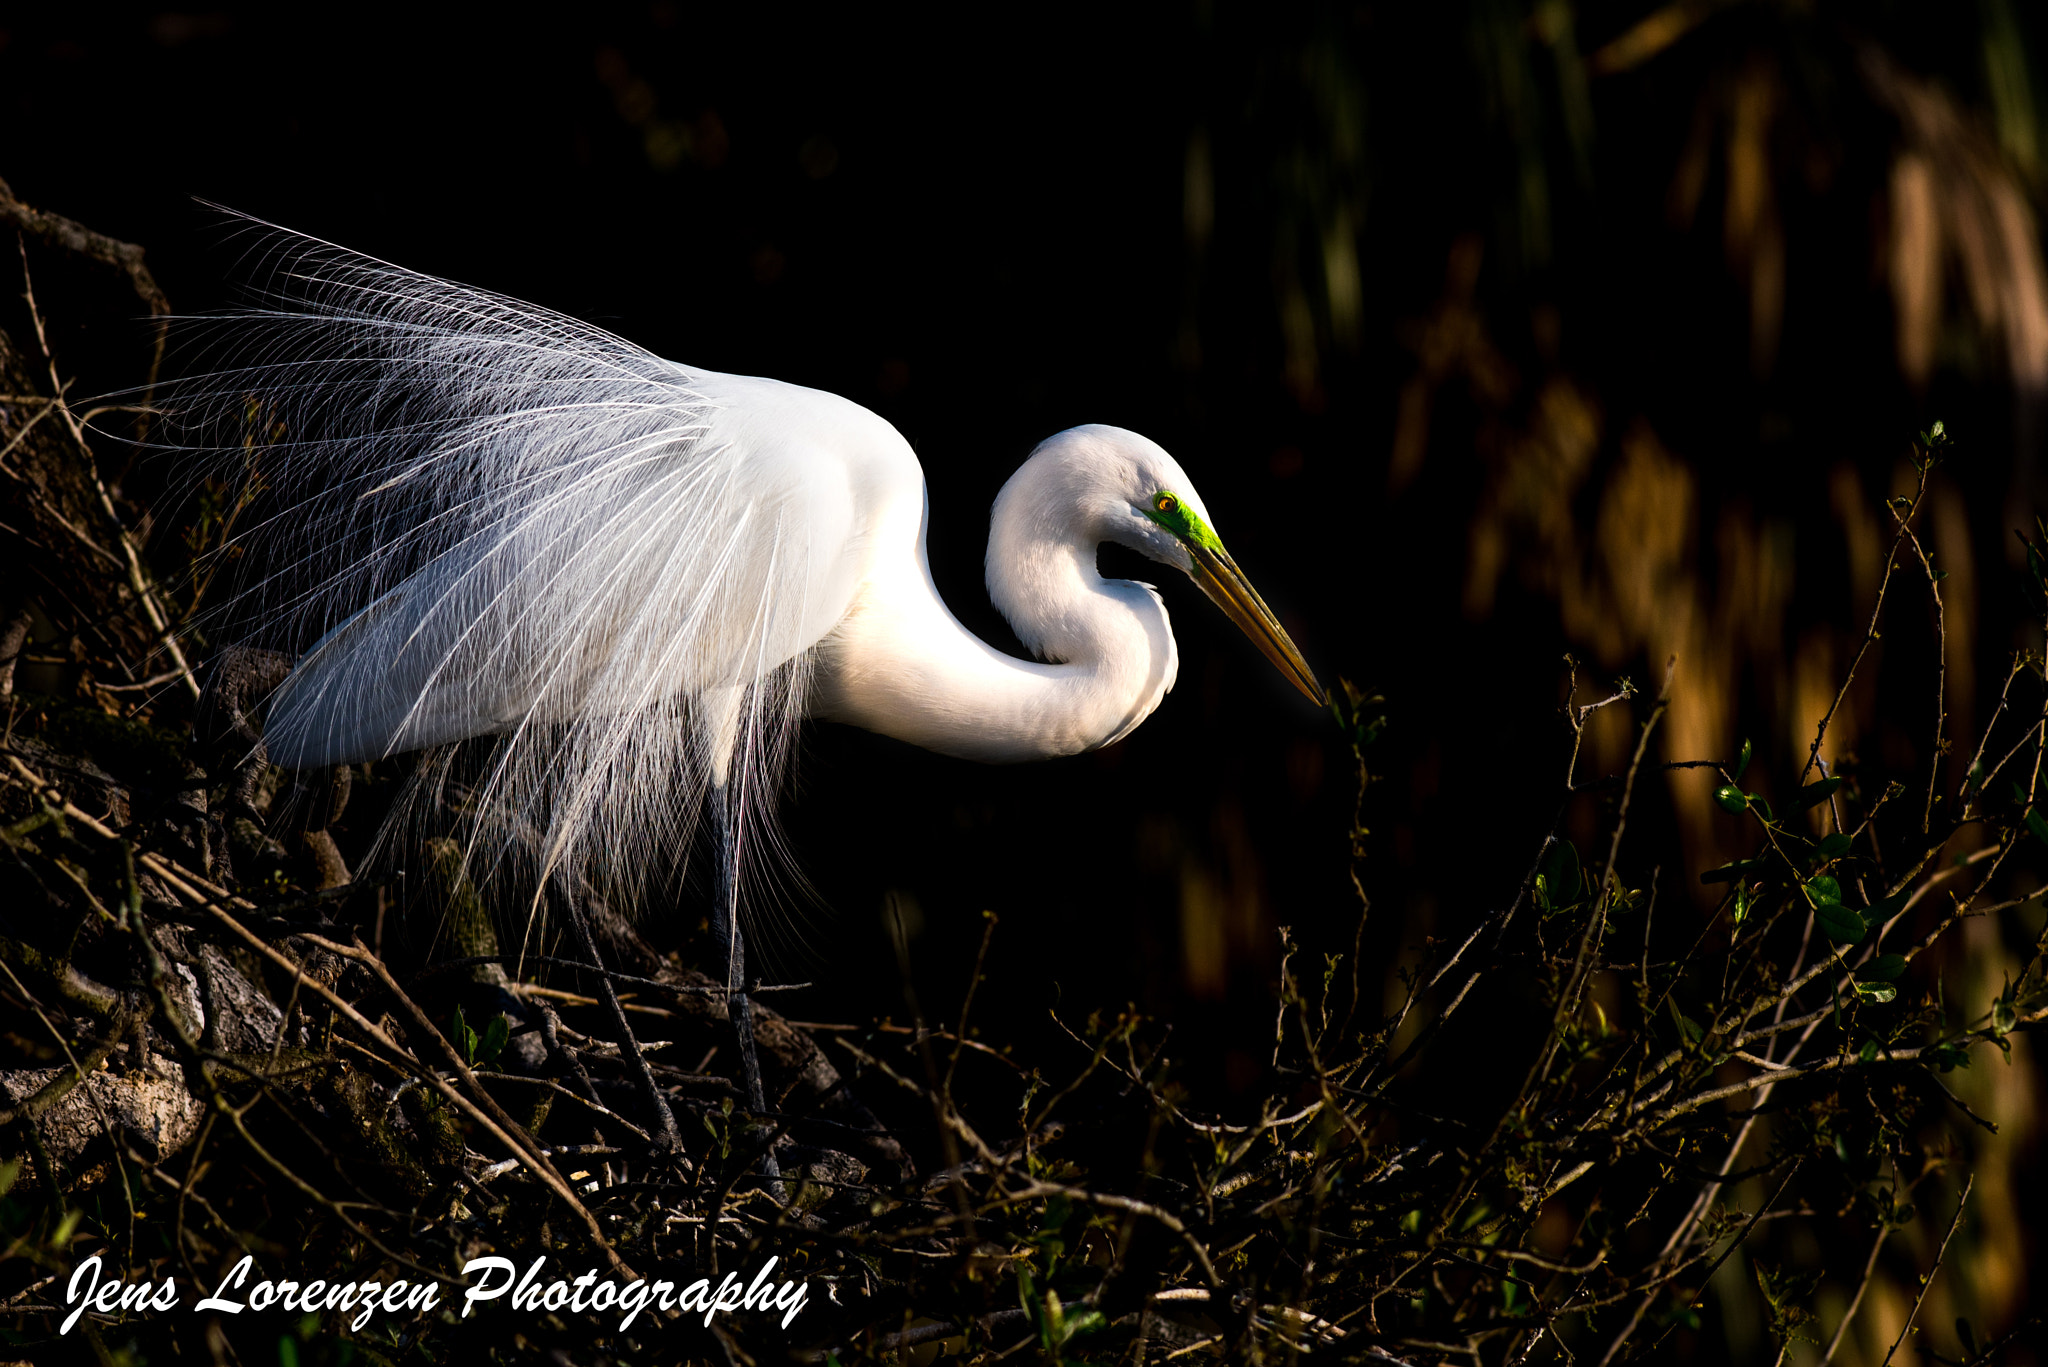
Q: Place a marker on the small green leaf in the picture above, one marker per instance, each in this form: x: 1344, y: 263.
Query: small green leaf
x: 1811, y: 795
x: 60, y: 1237
x: 1877, y: 913
x: 1838, y: 923
x: 1742, y: 762
x: 2037, y: 827
x: 462, y: 1037
x: 1561, y: 873
x: 2005, y: 1012
x: 495, y: 1036
x: 1868, y: 1053
x: 1686, y: 1026
x: 1822, y: 890
x: 1834, y: 846
x: 1731, y: 798
x: 1885, y: 968
x: 1876, y: 992
x: 1939, y: 575
x: 1087, y: 1322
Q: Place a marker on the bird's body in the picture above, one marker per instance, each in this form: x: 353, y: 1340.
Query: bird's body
x: 854, y: 594
x: 480, y: 519
x: 485, y: 520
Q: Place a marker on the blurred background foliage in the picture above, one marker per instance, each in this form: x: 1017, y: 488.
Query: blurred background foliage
x: 1489, y: 329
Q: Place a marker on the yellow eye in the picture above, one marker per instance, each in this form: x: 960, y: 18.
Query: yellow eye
x: 1166, y: 503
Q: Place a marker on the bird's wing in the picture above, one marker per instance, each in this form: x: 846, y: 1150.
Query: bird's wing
x: 623, y: 570
x: 488, y: 518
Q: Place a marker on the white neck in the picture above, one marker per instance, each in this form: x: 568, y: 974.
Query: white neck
x: 901, y: 664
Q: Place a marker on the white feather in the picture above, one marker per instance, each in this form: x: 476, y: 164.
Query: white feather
x: 487, y: 519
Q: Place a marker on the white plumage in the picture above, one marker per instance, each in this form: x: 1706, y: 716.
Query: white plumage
x: 483, y: 518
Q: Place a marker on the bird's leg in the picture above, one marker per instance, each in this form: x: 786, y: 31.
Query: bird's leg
x: 667, y: 1138
x: 725, y: 929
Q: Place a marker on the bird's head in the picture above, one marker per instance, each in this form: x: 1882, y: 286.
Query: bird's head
x: 1122, y: 487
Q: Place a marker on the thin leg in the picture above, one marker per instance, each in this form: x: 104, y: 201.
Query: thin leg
x: 725, y: 929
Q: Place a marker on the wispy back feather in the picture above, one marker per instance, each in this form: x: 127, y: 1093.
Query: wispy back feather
x: 482, y: 518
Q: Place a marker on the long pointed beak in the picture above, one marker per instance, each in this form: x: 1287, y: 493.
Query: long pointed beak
x: 1227, y: 587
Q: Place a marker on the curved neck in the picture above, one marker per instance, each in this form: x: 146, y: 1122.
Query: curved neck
x: 901, y: 663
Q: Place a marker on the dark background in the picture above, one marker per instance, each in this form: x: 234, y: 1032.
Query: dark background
x: 1488, y: 330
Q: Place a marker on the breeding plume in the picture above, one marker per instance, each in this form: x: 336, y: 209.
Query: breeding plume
x: 483, y: 519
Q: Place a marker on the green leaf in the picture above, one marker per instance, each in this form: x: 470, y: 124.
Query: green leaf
x: 1940, y: 575
x: 1686, y: 1026
x: 1811, y: 795
x: 1838, y: 923
x: 2037, y: 827
x: 1834, y: 846
x: 1868, y: 1053
x: 1876, y: 992
x: 1731, y: 798
x: 495, y: 1036
x: 1822, y: 890
x: 1561, y: 873
x: 1877, y: 913
x: 60, y: 1237
x: 1087, y: 1322
x: 1885, y: 968
x: 1742, y: 761
x: 462, y: 1037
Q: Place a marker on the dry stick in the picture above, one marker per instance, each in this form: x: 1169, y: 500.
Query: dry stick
x: 78, y: 1069
x: 1934, y: 765
x: 988, y: 931
x: 1975, y: 788
x: 1109, y: 1201
x: 1927, y: 1282
x: 1870, y: 633
x: 597, y: 970
x: 21, y: 434
x: 487, y: 1110
x: 670, y: 1140
x: 138, y: 578
x: 1884, y: 1231
x: 501, y: 1126
x: 1567, y: 1000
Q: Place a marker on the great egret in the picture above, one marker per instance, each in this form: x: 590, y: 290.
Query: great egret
x: 493, y: 520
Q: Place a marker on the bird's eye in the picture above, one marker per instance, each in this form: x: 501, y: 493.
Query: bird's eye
x: 1166, y: 503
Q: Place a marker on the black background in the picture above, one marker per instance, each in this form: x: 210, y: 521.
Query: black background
x: 978, y: 223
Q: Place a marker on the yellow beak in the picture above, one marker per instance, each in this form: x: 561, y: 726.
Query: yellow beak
x: 1227, y: 587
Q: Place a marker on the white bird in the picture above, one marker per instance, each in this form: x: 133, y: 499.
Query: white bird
x: 493, y: 520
